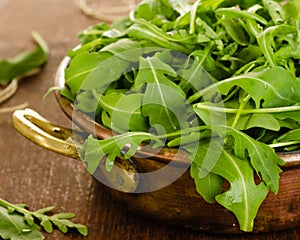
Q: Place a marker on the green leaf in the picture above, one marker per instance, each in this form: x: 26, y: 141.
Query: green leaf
x: 210, y: 5
x: 124, y: 111
x: 144, y: 11
x: 293, y: 135
x: 250, y: 53
x: 61, y: 225
x: 29, y: 219
x: 81, y: 66
x: 87, y: 101
x: 16, y: 222
x: 82, y: 229
x: 64, y: 224
x: 47, y: 225
x: 126, y: 49
x: 292, y: 11
x: 94, y: 151
x: 208, y: 184
x: 93, y: 32
x: 243, y: 197
x: 164, y: 101
x: 13, y: 226
x: 196, y: 76
x: 208, y: 115
x: 45, y: 210
x: 104, y: 74
x: 236, y: 31
x: 233, y: 12
x: 266, y: 85
x: 249, y: 116
x: 157, y: 36
x: 64, y: 215
x: 263, y: 158
x: 181, y: 6
x: 265, y: 121
x: 24, y: 62
x: 266, y: 38
x: 286, y: 115
x: 275, y: 10
x: 205, y: 31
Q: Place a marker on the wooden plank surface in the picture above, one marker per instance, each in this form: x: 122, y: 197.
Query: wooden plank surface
x: 41, y: 178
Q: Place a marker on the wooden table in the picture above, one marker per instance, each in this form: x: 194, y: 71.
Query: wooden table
x: 41, y: 178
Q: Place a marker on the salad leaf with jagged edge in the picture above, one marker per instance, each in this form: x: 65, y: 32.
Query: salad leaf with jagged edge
x: 161, y: 96
x: 19, y: 223
x: 265, y: 87
x: 94, y: 150
x: 262, y: 157
x: 244, y: 196
x: 13, y: 226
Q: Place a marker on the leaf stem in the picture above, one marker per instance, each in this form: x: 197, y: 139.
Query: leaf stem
x: 239, y: 112
x: 283, y: 144
x: 184, y: 131
x: 7, y: 204
x: 60, y: 220
x: 204, y: 106
x: 193, y: 16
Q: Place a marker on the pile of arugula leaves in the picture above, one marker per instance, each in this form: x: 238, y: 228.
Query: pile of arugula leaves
x: 237, y: 91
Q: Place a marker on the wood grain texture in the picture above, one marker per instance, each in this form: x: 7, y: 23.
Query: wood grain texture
x: 40, y: 178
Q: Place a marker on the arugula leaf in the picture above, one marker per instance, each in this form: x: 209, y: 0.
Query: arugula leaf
x: 235, y: 13
x: 266, y: 38
x: 13, y: 226
x: 87, y: 101
x: 24, y: 62
x: 181, y: 6
x: 93, y: 33
x: 77, y: 72
x: 163, y: 101
x: 263, y: 158
x: 124, y: 111
x: 125, y: 49
x: 198, y: 70
x: 244, y: 196
x: 94, y: 151
x: 293, y: 135
x: 161, y: 39
x: 17, y: 222
x: 275, y: 10
x: 292, y: 12
x: 208, y: 184
x: 245, y: 122
x: 236, y: 31
x: 265, y: 85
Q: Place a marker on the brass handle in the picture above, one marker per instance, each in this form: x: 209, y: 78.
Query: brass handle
x: 44, y: 133
x: 123, y: 176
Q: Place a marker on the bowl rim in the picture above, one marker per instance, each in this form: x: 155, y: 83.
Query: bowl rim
x: 165, y: 155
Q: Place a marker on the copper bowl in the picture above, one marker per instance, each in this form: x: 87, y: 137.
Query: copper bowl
x: 178, y: 203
